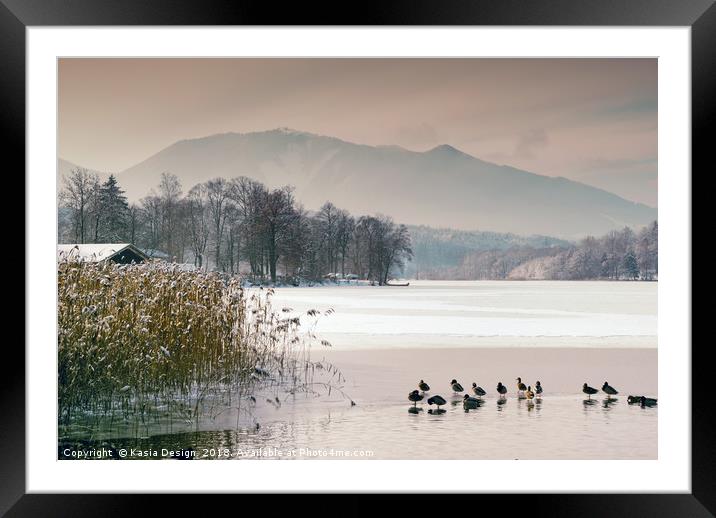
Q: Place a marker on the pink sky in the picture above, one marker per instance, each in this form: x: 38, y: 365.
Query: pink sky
x: 590, y: 120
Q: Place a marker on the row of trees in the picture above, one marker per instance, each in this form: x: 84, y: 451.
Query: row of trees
x: 623, y: 254
x: 233, y: 226
x: 618, y: 255
x: 94, y: 212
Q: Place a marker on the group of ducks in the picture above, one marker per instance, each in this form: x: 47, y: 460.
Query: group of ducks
x: 611, y: 391
x: 468, y: 401
x: 523, y: 392
x: 606, y: 388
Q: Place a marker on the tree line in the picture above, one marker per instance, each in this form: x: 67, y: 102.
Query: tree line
x: 619, y: 255
x: 222, y: 224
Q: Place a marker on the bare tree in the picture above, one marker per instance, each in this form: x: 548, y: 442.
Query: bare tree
x: 170, y: 194
x: 80, y: 186
x: 248, y: 197
x: 218, y: 197
x: 134, y: 222
x: 327, y: 218
x: 344, y: 235
x: 199, y: 223
x: 394, y: 248
x: 297, y: 247
x: 366, y: 237
x: 151, y: 211
x: 278, y: 216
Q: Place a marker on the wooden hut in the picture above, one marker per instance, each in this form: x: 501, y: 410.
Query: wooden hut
x: 122, y: 253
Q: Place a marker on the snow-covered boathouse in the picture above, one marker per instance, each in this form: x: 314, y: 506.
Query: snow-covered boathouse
x: 122, y: 253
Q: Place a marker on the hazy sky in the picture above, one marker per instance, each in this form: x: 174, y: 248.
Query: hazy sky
x: 591, y: 120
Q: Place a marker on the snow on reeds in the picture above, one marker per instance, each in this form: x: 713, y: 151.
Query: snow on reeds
x: 138, y: 337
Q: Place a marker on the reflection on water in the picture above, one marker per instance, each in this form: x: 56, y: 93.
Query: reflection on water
x: 609, y: 402
x: 511, y: 429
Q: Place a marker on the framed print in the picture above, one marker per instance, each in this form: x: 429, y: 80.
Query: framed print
x: 437, y: 251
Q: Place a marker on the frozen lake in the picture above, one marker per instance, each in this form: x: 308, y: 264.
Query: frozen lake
x: 385, y: 339
x: 482, y: 314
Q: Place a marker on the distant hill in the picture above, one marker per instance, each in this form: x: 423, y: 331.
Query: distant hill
x: 64, y: 167
x: 442, y: 187
x: 439, y: 249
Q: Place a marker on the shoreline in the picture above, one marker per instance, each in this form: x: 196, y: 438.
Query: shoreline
x: 365, y: 283
x: 345, y: 342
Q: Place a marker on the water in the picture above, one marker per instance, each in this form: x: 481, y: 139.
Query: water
x: 513, y: 429
x: 386, y: 339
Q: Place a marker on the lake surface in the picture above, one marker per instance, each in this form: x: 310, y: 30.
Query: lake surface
x: 385, y: 339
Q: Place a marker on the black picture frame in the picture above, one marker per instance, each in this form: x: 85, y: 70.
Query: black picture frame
x: 700, y: 15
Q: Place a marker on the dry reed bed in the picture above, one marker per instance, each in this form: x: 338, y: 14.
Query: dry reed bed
x: 136, y: 338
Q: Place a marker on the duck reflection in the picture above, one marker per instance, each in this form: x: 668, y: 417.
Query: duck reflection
x: 609, y: 402
x: 538, y: 404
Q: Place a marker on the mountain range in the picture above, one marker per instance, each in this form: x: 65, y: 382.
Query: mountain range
x: 442, y: 187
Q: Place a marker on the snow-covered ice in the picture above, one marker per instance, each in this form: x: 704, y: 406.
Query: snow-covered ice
x: 482, y: 313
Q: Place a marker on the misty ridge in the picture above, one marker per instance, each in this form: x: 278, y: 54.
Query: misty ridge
x: 442, y: 187
x: 239, y: 216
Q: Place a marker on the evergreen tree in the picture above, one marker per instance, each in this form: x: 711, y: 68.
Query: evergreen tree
x: 630, y: 265
x: 114, y: 209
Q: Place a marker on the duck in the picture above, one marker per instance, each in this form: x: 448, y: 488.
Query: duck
x: 424, y: 386
x: 647, y: 401
x: 636, y: 400
x: 478, y: 391
x: 437, y: 400
x: 470, y: 403
x: 415, y: 396
x: 538, y: 388
x: 456, y: 387
x: 528, y: 393
x: 609, y: 390
x: 501, y: 389
x: 521, y: 387
x: 589, y: 390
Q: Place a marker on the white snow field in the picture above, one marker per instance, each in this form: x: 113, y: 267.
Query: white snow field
x: 481, y: 314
